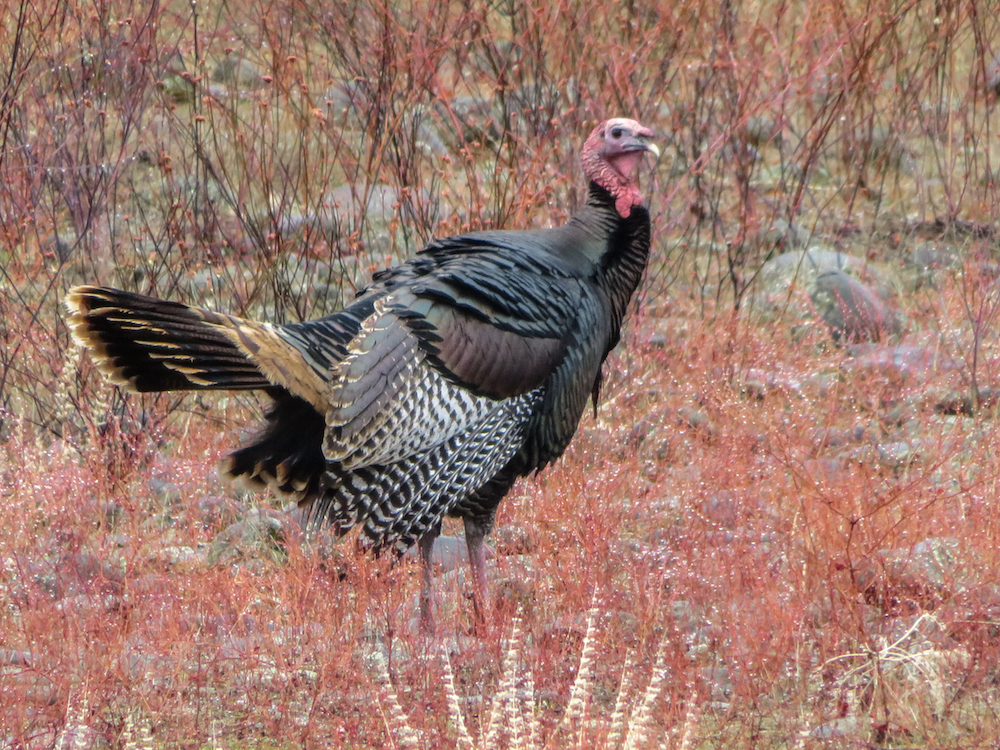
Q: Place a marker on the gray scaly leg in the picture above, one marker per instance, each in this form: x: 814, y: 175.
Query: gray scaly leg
x: 426, y: 586
x: 475, y: 539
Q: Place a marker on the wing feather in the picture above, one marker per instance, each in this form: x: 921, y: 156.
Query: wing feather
x: 385, y: 402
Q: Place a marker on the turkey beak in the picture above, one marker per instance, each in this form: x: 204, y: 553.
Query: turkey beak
x: 641, y: 143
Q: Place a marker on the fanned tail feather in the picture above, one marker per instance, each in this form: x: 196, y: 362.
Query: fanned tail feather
x: 147, y: 344
x: 286, y: 456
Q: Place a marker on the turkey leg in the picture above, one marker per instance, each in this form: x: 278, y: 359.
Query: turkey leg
x: 426, y: 584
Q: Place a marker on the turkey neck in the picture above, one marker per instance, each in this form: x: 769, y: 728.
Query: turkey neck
x: 623, y: 256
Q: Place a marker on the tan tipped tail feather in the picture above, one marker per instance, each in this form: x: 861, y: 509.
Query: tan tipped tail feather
x: 146, y: 344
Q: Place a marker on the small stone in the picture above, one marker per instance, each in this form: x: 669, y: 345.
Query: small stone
x: 696, y: 420
x: 754, y: 389
x: 833, y: 437
x: 883, y: 147
x: 14, y: 658
x: 958, y: 403
x: 828, y: 472
x: 165, y: 491
x: 785, y: 234
x: 512, y: 539
x: 845, y: 729
x: 761, y: 131
x: 719, y: 682
x: 261, y: 534
x: 179, y: 89
x: 896, y: 455
x: 181, y: 556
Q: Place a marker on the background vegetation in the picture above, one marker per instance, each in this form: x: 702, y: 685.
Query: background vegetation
x: 780, y: 530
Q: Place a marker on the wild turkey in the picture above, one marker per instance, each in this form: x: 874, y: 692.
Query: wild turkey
x: 446, y: 379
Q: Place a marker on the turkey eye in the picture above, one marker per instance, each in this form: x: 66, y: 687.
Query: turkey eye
x: 616, y: 132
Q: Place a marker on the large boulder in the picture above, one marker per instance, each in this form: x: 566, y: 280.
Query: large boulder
x: 853, y: 311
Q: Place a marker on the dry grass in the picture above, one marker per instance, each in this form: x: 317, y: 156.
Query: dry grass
x: 763, y: 539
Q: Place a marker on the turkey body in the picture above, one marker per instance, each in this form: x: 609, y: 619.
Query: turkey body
x: 445, y: 380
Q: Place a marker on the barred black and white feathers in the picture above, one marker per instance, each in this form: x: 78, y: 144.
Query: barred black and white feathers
x: 446, y: 379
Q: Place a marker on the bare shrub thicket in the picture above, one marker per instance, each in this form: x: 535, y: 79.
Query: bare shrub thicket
x: 789, y: 546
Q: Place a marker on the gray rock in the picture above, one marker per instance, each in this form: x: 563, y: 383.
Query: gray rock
x: 31, y: 686
x: 513, y: 539
x: 693, y: 626
x: 355, y: 102
x: 378, y: 202
x: 935, y: 255
x: 217, y: 509
x: 802, y: 267
x: 897, y: 455
x: 845, y: 732
x: 905, y: 362
x: 828, y: 472
x: 961, y: 402
x: 176, y: 556
x: 235, y: 70
x: 179, y: 88
x: 349, y: 97
x: 783, y: 233
x: 695, y: 419
x: 853, y: 312
x: 724, y: 509
x: 260, y: 535
x: 884, y: 148
x: 719, y: 682
x: 84, y: 605
x: 928, y: 260
x: 81, y: 737
x: 81, y: 573
x: 165, y: 491
x: 993, y: 76
x: 834, y: 437
x: 346, y: 207
x: 14, y: 658
x: 142, y: 660
x: 761, y: 131
x: 919, y: 577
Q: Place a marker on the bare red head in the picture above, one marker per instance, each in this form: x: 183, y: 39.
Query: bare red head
x: 611, y: 157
